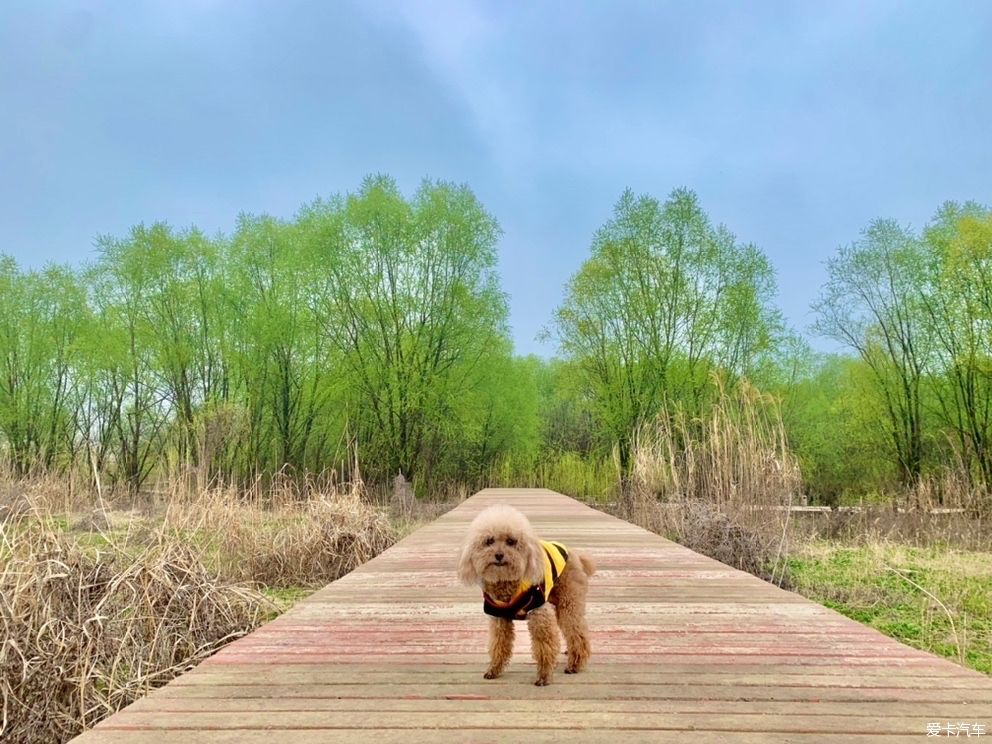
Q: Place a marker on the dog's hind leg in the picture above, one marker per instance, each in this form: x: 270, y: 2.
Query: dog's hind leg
x: 500, y: 646
x: 572, y: 621
x: 545, y: 643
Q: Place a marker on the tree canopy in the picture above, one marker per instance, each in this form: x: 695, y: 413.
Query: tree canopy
x: 665, y: 301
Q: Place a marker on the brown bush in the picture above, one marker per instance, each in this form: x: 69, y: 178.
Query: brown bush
x: 869, y: 525
x: 291, y: 535
x: 100, y: 602
x: 87, y: 631
x: 949, y: 487
x: 305, y: 541
x: 728, y: 539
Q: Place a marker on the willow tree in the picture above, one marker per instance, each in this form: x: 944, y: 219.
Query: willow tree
x: 42, y: 315
x: 368, y: 319
x: 873, y: 304
x: 411, y: 305
x: 169, y: 281
x: 280, y: 363
x: 134, y: 410
x: 665, y: 300
x: 958, y: 317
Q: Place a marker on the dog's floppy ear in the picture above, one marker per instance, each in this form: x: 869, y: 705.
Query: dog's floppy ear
x: 466, y: 569
x: 535, y: 561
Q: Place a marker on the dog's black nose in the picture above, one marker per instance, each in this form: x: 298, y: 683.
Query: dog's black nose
x: 499, y: 556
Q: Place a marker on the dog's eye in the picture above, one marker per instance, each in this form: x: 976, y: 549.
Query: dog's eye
x: 490, y: 540
x: 511, y: 541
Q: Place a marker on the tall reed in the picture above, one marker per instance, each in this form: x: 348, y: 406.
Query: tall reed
x: 720, y: 483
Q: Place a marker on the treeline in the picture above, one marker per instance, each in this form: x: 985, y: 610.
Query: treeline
x: 369, y: 324
x: 370, y: 331
x: 915, y: 308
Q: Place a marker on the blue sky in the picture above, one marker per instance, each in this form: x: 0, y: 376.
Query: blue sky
x: 796, y: 123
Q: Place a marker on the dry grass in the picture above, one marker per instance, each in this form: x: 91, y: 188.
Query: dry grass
x: 719, y: 485
x: 88, y: 631
x: 879, y: 524
x: 307, y: 540
x: 101, y: 601
x: 950, y: 487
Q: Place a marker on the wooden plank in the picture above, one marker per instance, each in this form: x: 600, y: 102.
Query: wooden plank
x: 552, y: 718
x: 468, y: 735
x: 681, y: 643
x: 775, y: 691
x: 336, y: 675
x: 466, y: 703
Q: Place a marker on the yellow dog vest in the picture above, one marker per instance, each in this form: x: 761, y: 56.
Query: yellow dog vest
x: 529, y: 597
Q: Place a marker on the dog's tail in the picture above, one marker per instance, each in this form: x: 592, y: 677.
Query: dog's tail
x: 588, y: 564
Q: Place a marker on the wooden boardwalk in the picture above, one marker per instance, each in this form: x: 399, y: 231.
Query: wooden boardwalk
x: 685, y: 649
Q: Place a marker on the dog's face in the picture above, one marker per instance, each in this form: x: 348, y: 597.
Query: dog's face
x: 500, y: 546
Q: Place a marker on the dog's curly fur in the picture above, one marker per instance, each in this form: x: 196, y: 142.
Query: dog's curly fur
x: 500, y: 550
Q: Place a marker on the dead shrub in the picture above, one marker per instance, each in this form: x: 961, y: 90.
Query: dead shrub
x: 100, y: 601
x: 26, y: 498
x: 951, y: 487
x: 298, y: 538
x: 87, y: 631
x: 707, y: 530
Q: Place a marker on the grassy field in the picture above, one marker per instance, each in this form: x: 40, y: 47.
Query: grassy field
x: 934, y: 598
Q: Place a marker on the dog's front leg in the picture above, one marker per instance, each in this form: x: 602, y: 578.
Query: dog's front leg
x: 545, y: 642
x: 500, y: 646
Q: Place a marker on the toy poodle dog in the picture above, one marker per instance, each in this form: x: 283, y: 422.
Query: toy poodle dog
x: 524, y: 578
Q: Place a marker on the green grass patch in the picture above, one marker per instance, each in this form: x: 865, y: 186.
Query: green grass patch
x: 284, y: 597
x: 934, y: 598
x: 590, y: 477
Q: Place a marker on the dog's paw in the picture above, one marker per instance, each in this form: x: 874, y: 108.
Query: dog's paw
x: 542, y: 682
x: 571, y: 670
x: 490, y: 675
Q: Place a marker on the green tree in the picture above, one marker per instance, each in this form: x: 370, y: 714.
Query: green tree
x: 135, y: 409
x: 958, y: 314
x: 831, y: 411
x: 664, y: 301
x: 873, y: 303
x: 41, y: 317
x: 411, y: 305
x: 280, y: 354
